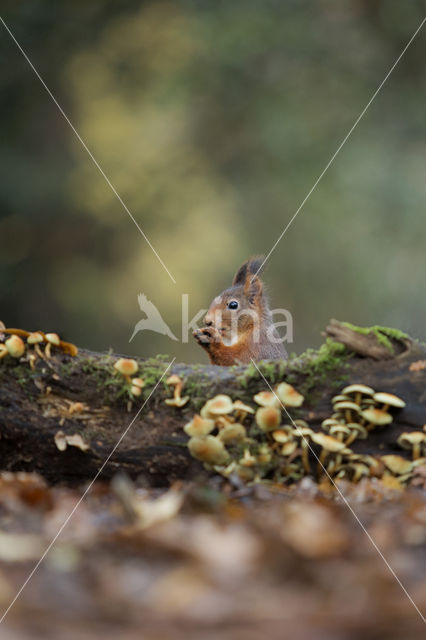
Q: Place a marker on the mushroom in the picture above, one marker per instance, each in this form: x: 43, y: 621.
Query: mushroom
x: 51, y: 339
x: 208, y: 449
x: 388, y: 400
x: 358, y: 390
x: 199, y: 426
x: 242, y: 410
x: 177, y: 401
x: 288, y: 395
x: 266, y: 399
x: 232, y: 433
x: 339, y: 431
x: 304, y: 432
x: 268, y: 418
x: 328, y: 445
x: 356, y: 431
x: 412, y: 440
x: 375, y: 417
x: 288, y: 448
x: 15, y: 346
x: 126, y: 367
x: 339, y: 398
x: 137, y: 386
x: 397, y: 464
x: 282, y: 436
x: 35, y: 337
x: 248, y: 460
x: 347, y: 408
x: 218, y: 406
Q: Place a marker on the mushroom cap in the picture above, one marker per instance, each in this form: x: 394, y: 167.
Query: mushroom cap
x: 359, y: 428
x: 217, y: 406
x: 288, y: 448
x: 409, y: 438
x: 199, y: 426
x: 339, y: 428
x: 126, y: 366
x: 35, y: 337
x: 138, y: 382
x: 397, y: 464
x: 135, y: 390
x: 288, y: 395
x: 208, y: 449
x: 282, y: 436
x: 266, y: 399
x: 329, y: 422
x: 234, y: 432
x: 376, y: 416
x: 268, y: 418
x: 15, y: 346
x: 174, y: 379
x: 328, y: 442
x: 389, y: 399
x: 240, y: 406
x: 358, y: 388
x: 339, y: 398
x: 347, y: 405
x: 53, y: 338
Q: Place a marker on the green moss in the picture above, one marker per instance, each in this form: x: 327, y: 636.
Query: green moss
x: 382, y: 334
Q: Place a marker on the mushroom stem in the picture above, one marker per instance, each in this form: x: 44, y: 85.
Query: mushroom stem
x: 305, y: 456
x: 416, y: 451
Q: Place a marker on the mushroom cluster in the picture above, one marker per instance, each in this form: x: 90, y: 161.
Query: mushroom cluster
x: 18, y: 343
x: 128, y: 367
x: 263, y: 443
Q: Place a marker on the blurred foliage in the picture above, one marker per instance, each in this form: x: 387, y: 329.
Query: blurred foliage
x: 212, y: 121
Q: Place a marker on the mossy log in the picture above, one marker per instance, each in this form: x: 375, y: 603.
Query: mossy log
x: 84, y: 395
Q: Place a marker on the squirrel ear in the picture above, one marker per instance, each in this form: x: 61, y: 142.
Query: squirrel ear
x: 253, y: 287
x: 247, y: 270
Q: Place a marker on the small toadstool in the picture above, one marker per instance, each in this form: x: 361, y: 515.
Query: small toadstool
x: 288, y: 395
x: 414, y: 441
x: 15, y: 346
x: 268, y: 418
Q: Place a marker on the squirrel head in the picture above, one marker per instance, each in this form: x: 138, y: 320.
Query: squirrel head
x: 241, y: 308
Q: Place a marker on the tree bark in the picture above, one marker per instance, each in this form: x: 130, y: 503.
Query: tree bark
x: 83, y: 395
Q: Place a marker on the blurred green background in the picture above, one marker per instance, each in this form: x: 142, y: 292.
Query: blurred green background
x: 212, y: 120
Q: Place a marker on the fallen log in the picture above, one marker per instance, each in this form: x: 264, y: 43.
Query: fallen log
x: 46, y: 400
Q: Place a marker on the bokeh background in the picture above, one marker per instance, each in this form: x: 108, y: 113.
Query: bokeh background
x: 212, y: 120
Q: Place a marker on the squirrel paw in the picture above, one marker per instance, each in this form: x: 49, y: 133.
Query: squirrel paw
x: 206, y: 336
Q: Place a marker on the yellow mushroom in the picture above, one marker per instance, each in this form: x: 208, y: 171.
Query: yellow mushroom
x: 268, y: 418
x: 199, y: 426
x: 388, y: 400
x: 177, y: 401
x: 218, y: 406
x: 414, y: 441
x: 375, y: 417
x: 288, y: 395
x: 127, y: 367
x: 208, y: 449
x: 137, y: 386
x: 266, y: 399
x: 15, y: 346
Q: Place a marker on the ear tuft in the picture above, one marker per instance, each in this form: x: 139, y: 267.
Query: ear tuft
x: 247, y: 270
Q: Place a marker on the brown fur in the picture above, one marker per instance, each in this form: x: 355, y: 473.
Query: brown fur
x: 248, y: 324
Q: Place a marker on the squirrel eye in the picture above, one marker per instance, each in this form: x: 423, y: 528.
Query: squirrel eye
x: 233, y: 304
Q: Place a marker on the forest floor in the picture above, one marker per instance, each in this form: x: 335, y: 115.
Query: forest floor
x: 207, y: 559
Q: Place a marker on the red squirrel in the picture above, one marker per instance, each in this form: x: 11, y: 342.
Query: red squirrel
x: 238, y: 325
